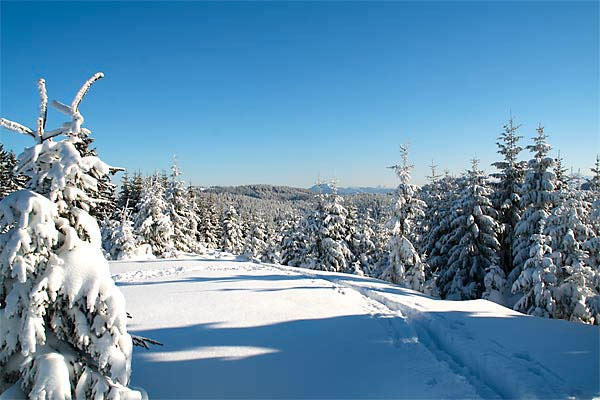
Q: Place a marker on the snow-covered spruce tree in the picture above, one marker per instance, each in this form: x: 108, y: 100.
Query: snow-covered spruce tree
x: 231, y: 240
x: 328, y: 250
x: 295, y: 243
x: 560, y: 172
x: 106, y: 204
x: 594, y: 183
x: 538, y: 196
x: 63, y: 328
x: 506, y: 196
x: 405, y: 265
x: 592, y: 244
x: 152, y: 221
x: 273, y: 237
x: 576, y: 292
x: 136, y: 184
x: 430, y: 194
x: 473, y: 244
x: 360, y: 239
x: 180, y: 213
x: 209, y: 232
x: 436, y: 237
x: 537, y: 282
x: 123, y: 242
x: 124, y: 195
x: 195, y: 221
x: 9, y: 180
x: 255, y: 243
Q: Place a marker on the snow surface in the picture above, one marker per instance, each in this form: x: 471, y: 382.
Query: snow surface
x: 231, y: 328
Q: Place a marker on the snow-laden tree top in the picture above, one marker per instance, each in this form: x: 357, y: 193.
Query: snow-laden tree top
x: 71, y: 128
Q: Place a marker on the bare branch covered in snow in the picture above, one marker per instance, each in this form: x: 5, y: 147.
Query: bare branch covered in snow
x: 16, y: 127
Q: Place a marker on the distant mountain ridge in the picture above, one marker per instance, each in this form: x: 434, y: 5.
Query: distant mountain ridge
x: 261, y: 191
x: 327, y: 188
x: 275, y: 192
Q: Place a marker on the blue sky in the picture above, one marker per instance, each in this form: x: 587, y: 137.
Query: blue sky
x: 283, y: 93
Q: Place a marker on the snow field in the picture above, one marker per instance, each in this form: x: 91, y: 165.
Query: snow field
x: 238, y: 329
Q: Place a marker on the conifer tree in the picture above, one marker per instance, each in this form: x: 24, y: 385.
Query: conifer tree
x: 255, y: 243
x: 560, y: 172
x: 9, y: 180
x: 537, y: 282
x: 595, y: 181
x: 152, y: 221
x: 507, y: 198
x: 328, y: 249
x: 538, y: 197
x: 473, y: 243
x: 209, y: 228
x: 405, y: 264
x: 295, y: 243
x: 232, y: 240
x: 180, y: 213
x: 436, y: 238
x: 63, y: 327
x: 360, y: 239
x: 122, y: 243
x: 136, y: 186
x: 576, y: 280
x: 124, y: 197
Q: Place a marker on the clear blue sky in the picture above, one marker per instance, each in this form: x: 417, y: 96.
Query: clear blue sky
x: 284, y: 92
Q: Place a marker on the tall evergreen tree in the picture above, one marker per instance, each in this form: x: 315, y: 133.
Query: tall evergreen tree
x: 538, y: 198
x: 180, y: 213
x: 473, y: 243
x: 506, y: 198
x: 562, y: 180
x: 124, y: 197
x: 210, y: 232
x: 255, y: 243
x: 152, y: 221
x: 595, y: 180
x: 405, y: 265
x: 232, y: 240
x: 575, y: 278
x: 440, y: 227
x: 328, y: 249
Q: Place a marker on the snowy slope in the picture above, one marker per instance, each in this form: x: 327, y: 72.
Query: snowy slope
x: 237, y: 329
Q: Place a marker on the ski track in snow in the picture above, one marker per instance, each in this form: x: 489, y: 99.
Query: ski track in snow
x: 380, y: 308
x: 494, y: 372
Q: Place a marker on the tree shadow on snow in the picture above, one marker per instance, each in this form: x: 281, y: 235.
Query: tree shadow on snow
x: 364, y: 356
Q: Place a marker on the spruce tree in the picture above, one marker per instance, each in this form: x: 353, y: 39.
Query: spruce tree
x: 255, y: 243
x: 537, y: 282
x: 124, y: 197
x: 295, y: 243
x: 595, y: 180
x: 473, y: 244
x: 576, y: 279
x: 560, y: 172
x: 506, y: 197
x: 328, y: 249
x: 10, y: 181
x: 440, y: 218
x: 405, y: 265
x: 538, y: 197
x: 180, y: 213
x: 209, y: 228
x: 63, y: 327
x: 152, y: 221
x: 231, y: 240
